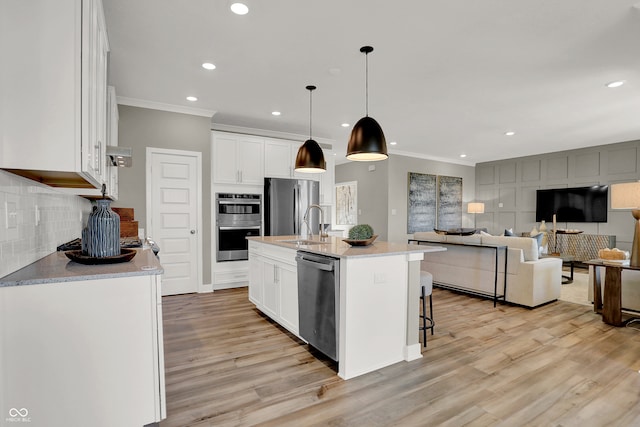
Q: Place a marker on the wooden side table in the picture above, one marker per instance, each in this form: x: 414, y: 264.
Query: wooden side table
x: 609, y: 304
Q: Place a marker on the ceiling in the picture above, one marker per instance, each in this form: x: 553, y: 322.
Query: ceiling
x: 446, y: 77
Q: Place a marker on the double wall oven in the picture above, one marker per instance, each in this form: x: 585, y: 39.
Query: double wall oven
x: 237, y: 216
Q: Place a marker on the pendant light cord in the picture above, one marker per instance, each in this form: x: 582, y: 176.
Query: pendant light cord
x: 310, y: 112
x: 366, y: 84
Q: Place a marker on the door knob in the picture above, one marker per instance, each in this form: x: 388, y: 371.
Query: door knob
x: 193, y: 231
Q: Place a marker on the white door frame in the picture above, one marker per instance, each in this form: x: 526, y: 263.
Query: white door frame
x: 198, y: 155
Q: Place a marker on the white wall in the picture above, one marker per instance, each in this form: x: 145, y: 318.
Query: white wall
x: 22, y: 242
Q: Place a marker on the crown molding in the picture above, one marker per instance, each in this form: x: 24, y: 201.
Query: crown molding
x: 142, y: 103
x: 325, y: 143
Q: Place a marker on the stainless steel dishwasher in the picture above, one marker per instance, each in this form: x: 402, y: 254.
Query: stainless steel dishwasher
x: 318, y: 301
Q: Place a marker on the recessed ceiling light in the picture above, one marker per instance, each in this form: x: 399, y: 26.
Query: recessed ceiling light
x: 192, y: 98
x: 392, y: 143
x: 510, y: 133
x: 208, y: 66
x: 463, y: 155
x: 345, y: 125
x: 617, y: 83
x: 239, y: 8
x: 276, y: 113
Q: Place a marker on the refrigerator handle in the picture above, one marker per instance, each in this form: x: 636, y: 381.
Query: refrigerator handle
x: 295, y: 210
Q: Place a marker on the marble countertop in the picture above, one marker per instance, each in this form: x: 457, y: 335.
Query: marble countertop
x: 57, y: 268
x: 335, y: 247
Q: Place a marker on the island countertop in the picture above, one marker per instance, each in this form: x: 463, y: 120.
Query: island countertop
x: 335, y: 247
x: 56, y: 267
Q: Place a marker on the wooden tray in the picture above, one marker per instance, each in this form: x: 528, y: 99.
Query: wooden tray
x: 78, y: 256
x: 365, y: 242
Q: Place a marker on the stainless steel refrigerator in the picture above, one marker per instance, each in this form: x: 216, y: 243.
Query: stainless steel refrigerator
x: 285, y: 203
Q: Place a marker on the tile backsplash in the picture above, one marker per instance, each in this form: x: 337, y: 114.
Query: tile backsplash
x: 34, y: 220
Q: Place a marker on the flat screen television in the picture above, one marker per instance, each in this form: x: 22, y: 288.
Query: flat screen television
x: 580, y: 204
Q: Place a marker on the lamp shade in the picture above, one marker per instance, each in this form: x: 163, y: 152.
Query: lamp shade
x: 625, y: 195
x: 367, y: 142
x: 475, y: 208
x: 310, y: 158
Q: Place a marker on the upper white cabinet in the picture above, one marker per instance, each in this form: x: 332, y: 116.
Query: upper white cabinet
x: 279, y: 159
x: 54, y: 91
x: 237, y: 159
x: 112, y: 140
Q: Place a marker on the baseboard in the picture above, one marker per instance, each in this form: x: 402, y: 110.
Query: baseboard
x: 229, y: 286
x: 412, y: 352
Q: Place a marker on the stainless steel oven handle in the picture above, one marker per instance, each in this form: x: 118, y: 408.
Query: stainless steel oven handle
x: 238, y: 202
x: 257, y: 227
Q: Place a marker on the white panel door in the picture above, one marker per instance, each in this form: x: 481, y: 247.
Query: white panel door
x: 173, y: 209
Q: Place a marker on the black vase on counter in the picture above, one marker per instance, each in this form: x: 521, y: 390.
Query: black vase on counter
x: 102, y: 232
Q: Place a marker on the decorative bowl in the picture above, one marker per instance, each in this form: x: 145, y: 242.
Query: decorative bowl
x: 78, y: 256
x: 361, y: 242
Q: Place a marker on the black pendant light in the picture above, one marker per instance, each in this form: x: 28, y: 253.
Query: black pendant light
x: 367, y: 142
x: 310, y: 158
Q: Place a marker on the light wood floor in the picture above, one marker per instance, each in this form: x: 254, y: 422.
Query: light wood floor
x: 557, y: 365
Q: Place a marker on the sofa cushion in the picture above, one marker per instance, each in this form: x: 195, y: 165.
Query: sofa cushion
x: 528, y: 245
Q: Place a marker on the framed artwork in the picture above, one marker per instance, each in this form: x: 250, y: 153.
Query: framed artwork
x: 422, y: 198
x: 449, y: 202
x: 347, y: 203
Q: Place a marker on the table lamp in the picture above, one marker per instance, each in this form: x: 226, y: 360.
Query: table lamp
x: 627, y: 196
x: 475, y: 208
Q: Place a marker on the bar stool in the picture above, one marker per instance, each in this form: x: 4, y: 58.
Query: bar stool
x: 426, y: 283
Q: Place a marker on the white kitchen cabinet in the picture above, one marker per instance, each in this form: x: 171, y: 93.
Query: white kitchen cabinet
x: 110, y: 172
x: 279, y: 159
x: 54, y: 91
x: 271, y: 288
x: 288, y: 281
x: 237, y: 159
x: 85, y: 352
x: 273, y: 283
x: 112, y: 141
x: 256, y: 274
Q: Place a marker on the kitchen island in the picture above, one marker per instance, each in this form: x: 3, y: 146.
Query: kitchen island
x: 82, y: 344
x: 378, y: 295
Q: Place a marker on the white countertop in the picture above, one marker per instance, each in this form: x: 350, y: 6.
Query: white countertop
x: 335, y: 247
x: 57, y: 267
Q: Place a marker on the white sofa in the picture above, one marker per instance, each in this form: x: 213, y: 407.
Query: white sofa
x: 531, y: 281
x: 630, y: 282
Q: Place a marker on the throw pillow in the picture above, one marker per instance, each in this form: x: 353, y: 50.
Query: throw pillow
x: 538, y: 239
x: 534, y: 232
x: 484, y: 233
x: 508, y: 231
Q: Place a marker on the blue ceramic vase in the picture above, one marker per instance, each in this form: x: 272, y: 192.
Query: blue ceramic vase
x: 103, y: 231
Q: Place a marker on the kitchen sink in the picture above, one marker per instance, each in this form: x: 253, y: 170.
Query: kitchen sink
x: 304, y: 242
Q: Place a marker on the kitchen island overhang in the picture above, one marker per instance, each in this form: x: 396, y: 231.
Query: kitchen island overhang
x: 379, y: 297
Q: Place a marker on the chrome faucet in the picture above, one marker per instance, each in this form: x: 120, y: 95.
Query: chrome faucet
x: 306, y: 217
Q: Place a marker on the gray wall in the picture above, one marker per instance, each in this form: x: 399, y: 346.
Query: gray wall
x: 386, y: 189
x: 399, y: 168
x: 514, y: 182
x: 140, y: 128
x: 372, y: 192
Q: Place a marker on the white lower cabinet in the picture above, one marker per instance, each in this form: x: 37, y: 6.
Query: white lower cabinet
x: 288, y: 282
x: 273, y: 283
x: 84, y: 352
